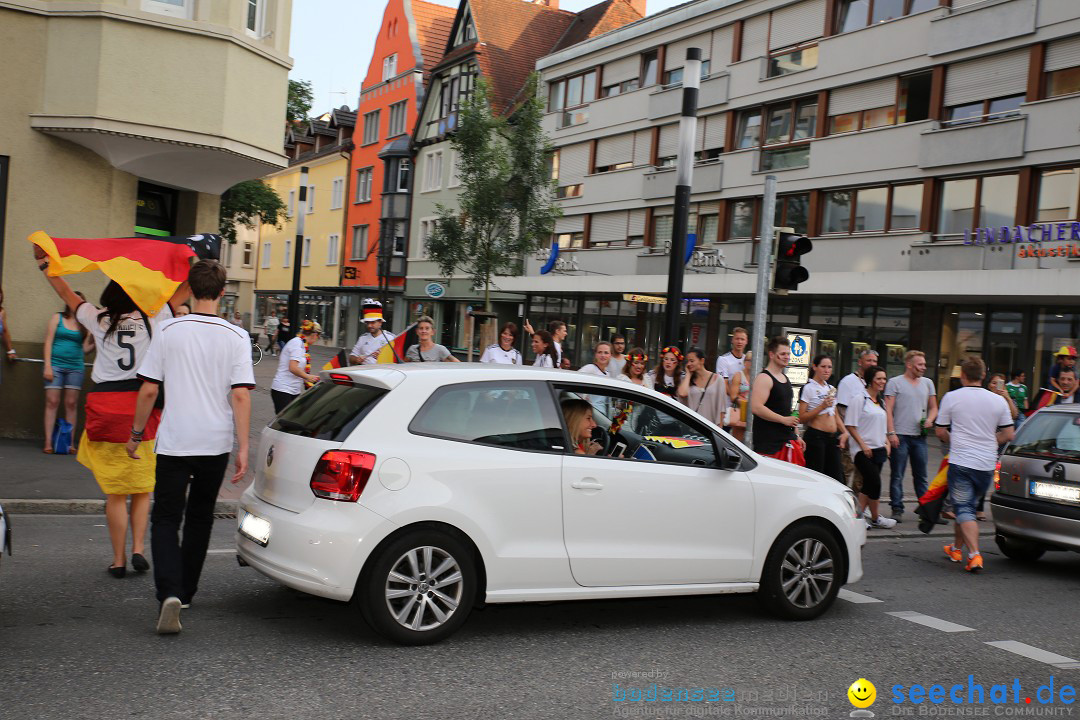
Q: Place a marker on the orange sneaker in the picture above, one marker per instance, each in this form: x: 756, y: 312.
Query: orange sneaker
x: 956, y: 555
x: 974, y: 563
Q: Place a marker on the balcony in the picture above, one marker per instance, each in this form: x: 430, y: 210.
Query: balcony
x: 981, y: 24
x: 659, y: 184
x: 989, y: 137
x: 668, y: 100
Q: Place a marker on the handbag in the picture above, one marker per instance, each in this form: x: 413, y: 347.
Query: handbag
x: 61, y: 437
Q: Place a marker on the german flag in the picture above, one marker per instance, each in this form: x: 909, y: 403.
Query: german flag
x: 1048, y: 397
x: 395, y: 352
x: 149, y: 269
x: 933, y: 499
x: 341, y: 360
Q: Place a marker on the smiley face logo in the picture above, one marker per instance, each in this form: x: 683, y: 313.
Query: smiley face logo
x: 862, y: 693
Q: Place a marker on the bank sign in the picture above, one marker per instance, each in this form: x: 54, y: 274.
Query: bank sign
x: 1062, y: 232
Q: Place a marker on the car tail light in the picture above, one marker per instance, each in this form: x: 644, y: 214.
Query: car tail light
x: 342, y: 475
x: 997, y: 476
x: 340, y: 379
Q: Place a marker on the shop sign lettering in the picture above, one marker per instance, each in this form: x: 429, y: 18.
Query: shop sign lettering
x: 1038, y: 233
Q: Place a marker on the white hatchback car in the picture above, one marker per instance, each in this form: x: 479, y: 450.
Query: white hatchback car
x: 420, y: 491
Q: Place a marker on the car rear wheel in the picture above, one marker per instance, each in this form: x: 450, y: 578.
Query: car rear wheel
x: 420, y: 588
x: 802, y: 573
x: 1018, y: 550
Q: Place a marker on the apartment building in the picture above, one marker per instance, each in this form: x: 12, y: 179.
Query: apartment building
x: 929, y: 148
x: 323, y: 146
x: 499, y: 41
x: 124, y: 117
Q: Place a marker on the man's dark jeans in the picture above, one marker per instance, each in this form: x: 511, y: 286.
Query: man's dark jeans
x: 915, y: 446
x: 178, y: 565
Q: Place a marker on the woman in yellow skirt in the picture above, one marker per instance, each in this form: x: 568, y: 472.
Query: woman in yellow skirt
x: 122, y: 334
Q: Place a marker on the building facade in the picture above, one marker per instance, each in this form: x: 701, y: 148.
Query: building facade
x: 322, y: 146
x: 411, y: 41
x: 499, y: 41
x: 95, y: 145
x: 239, y: 260
x: 928, y: 148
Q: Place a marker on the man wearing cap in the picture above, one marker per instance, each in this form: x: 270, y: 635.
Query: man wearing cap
x: 368, y: 346
x: 1066, y: 358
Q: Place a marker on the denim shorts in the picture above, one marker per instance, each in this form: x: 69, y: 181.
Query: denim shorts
x: 65, y: 379
x: 966, y: 486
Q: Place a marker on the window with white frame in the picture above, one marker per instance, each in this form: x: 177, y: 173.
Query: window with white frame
x: 288, y: 253
x: 266, y: 250
x: 359, y: 242
x: 371, y: 127
x: 332, y: 250
x: 404, y: 169
x: 389, y: 67
x: 172, y: 8
x: 292, y: 203
x: 396, y: 125
x: 427, y: 227
x: 433, y: 170
x: 363, y: 185
x: 337, y: 193
x: 310, y: 199
x: 455, y: 180
x: 249, y: 251
x: 306, y: 260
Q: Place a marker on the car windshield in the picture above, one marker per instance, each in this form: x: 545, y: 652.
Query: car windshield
x: 1050, y: 435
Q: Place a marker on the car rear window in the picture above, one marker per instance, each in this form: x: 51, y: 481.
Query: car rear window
x: 328, y: 411
x: 1049, y: 435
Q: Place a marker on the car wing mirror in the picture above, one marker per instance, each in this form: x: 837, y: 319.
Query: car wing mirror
x: 729, y: 459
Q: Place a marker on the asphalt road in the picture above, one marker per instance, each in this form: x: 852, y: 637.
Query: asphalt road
x: 75, y: 643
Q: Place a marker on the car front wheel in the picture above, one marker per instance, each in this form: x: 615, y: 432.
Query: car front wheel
x: 802, y: 573
x: 1017, y: 549
x: 420, y: 588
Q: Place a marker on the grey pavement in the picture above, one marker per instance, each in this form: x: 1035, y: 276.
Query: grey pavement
x: 79, y: 644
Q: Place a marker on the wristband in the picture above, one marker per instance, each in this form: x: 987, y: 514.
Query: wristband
x: 137, y: 434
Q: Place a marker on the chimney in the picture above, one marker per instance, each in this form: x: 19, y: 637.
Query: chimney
x: 638, y: 5
x: 553, y: 4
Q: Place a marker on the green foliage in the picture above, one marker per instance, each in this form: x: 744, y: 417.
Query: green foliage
x: 506, y: 202
x: 300, y: 98
x: 245, y: 202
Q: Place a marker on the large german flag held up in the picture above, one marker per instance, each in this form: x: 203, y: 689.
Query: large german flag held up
x: 149, y: 269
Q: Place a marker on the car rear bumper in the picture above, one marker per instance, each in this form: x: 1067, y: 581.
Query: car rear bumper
x: 319, y: 550
x: 1036, y: 520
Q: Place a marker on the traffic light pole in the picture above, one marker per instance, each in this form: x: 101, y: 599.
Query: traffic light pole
x: 298, y: 253
x: 761, y: 299
x: 683, y: 180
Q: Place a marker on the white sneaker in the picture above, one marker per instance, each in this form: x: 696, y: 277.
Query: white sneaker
x: 884, y: 522
x: 866, y: 515
x: 169, y: 617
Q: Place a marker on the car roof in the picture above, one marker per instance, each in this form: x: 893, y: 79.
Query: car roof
x: 1066, y: 408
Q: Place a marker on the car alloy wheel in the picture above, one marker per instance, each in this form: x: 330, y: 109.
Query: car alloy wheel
x: 806, y: 575
x: 424, y: 588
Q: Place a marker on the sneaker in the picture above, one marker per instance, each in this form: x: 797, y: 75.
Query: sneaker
x: 169, y: 617
x: 955, y: 554
x: 974, y: 563
x: 898, y: 515
x: 866, y: 515
x: 883, y: 522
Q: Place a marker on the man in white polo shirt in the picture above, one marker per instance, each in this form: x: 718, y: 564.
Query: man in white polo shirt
x: 206, y: 363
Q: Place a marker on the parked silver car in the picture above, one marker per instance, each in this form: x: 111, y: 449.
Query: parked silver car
x: 1036, y: 505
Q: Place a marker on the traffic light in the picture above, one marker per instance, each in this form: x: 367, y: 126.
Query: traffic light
x: 789, y: 272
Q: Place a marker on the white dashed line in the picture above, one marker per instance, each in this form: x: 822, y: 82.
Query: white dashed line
x: 854, y: 597
x: 228, y: 551
x: 1037, y: 654
x: 931, y: 622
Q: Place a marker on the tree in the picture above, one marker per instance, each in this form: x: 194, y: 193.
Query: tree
x: 506, y: 203
x: 245, y: 202
x: 299, y: 104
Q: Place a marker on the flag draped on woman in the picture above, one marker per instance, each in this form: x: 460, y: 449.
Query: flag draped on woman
x: 149, y: 269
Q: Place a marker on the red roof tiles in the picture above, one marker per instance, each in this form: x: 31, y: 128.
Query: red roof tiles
x: 433, y: 25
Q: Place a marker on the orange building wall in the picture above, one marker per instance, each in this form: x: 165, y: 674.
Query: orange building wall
x: 394, y: 37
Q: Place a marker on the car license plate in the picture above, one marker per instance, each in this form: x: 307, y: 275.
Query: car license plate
x: 1051, y: 491
x: 255, y: 528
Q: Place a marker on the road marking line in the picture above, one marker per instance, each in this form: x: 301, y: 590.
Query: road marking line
x: 228, y: 551
x: 854, y: 597
x: 1037, y: 654
x: 930, y: 622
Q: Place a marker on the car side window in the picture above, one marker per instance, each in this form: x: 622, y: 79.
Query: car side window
x: 633, y: 427
x: 517, y: 415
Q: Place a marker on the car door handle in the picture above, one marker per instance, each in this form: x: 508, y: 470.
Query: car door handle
x: 586, y: 485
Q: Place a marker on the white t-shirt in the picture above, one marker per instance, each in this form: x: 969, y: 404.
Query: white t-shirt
x: 814, y: 393
x: 727, y: 365
x: 544, y: 361
x: 592, y: 369
x: 869, y: 419
x: 849, y: 389
x: 367, y: 344
x: 119, y: 355
x: 284, y: 380
x: 616, y: 366
x: 558, y: 352
x: 200, y: 358
x: 496, y: 354
x: 973, y: 416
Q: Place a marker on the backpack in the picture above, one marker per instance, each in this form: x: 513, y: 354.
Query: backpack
x: 61, y: 437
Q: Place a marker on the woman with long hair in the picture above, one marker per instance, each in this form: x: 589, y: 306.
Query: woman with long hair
x: 634, y: 370
x: 869, y: 447
x: 580, y: 423
x: 122, y: 334
x: 817, y: 411
x: 66, y: 342
x: 543, y: 346
x: 701, y: 390
x: 667, y: 375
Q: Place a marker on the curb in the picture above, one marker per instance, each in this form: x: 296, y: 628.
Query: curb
x: 83, y: 507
